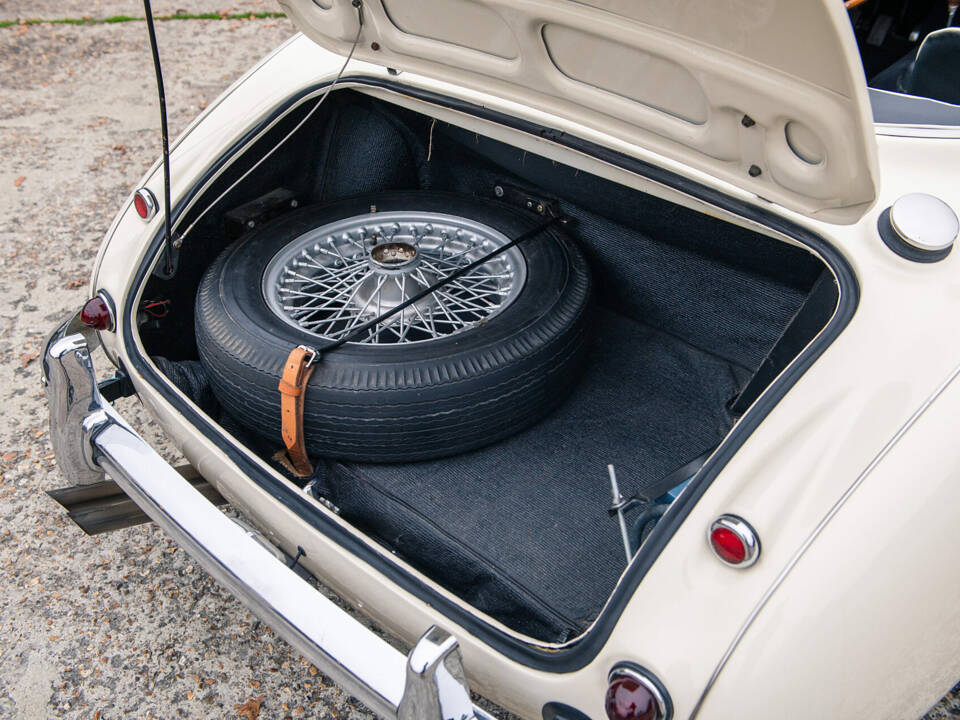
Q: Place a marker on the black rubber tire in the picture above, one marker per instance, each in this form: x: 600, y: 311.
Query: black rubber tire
x: 405, y: 402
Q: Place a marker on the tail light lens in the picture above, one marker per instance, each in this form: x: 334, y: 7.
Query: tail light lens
x: 634, y: 694
x: 728, y: 545
x: 145, y: 204
x: 734, y: 541
x: 96, y: 314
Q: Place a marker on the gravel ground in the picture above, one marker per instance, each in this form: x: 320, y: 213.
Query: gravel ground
x: 124, y: 624
x: 50, y: 9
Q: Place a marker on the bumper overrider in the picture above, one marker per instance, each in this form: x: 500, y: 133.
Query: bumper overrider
x: 90, y: 438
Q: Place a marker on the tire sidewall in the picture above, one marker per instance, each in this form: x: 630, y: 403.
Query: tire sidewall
x: 240, y: 272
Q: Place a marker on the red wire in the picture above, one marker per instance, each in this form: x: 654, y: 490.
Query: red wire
x: 152, y: 306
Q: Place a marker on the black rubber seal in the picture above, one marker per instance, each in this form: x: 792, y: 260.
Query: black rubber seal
x: 559, y: 711
x: 896, y: 243
x: 580, y: 651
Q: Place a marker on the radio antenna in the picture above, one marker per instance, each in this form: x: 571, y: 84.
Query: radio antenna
x: 165, y: 140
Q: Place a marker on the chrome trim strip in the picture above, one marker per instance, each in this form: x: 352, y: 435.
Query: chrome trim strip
x: 90, y: 437
x: 884, y: 451
x: 108, y: 301
x: 942, y: 132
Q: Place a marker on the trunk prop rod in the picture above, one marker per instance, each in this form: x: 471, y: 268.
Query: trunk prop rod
x: 302, y: 359
x: 164, y: 139
x: 168, y: 242
x: 618, y: 505
x: 316, y: 106
x: 661, y: 496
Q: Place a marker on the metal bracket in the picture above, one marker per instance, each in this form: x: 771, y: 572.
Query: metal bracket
x: 256, y: 212
x: 119, y: 386
x: 518, y: 197
x: 627, y: 504
x: 436, y: 687
x: 161, y: 270
x: 101, y: 507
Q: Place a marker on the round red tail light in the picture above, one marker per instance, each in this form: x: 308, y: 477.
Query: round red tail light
x: 734, y: 541
x: 145, y: 203
x: 728, y: 545
x: 96, y: 314
x: 634, y: 695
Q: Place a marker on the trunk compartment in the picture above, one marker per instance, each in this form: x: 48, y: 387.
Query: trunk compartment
x: 690, y: 311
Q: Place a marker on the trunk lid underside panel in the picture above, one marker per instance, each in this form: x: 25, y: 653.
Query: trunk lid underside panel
x: 768, y: 96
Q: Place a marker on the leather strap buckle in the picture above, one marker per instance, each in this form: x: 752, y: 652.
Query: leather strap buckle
x: 293, y: 384
x: 312, y: 352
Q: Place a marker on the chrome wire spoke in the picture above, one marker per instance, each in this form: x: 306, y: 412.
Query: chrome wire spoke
x: 375, y: 294
x: 332, y: 280
x: 457, y: 287
x: 461, y: 303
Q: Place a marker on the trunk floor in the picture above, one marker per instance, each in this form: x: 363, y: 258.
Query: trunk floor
x: 520, y: 529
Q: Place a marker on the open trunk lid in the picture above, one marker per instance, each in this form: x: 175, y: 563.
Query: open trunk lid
x: 769, y: 96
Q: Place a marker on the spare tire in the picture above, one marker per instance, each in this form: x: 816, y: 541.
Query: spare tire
x: 476, y: 362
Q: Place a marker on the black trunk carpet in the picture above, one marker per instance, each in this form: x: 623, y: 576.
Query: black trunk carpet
x: 520, y: 529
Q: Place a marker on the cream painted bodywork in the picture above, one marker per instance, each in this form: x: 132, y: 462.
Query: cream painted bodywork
x: 830, y: 427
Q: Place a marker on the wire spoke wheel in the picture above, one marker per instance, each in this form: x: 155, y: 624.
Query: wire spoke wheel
x: 468, y: 364
x: 336, y: 277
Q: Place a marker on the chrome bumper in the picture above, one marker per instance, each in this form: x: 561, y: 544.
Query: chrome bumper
x: 89, y: 438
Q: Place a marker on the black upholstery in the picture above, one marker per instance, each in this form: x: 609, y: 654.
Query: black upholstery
x: 892, y: 77
x: 934, y: 74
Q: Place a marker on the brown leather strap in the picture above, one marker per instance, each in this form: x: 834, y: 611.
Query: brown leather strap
x: 293, y: 384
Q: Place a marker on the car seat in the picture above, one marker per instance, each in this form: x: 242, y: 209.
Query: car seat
x: 934, y: 72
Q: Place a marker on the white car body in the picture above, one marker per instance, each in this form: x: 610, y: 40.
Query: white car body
x: 850, y: 480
